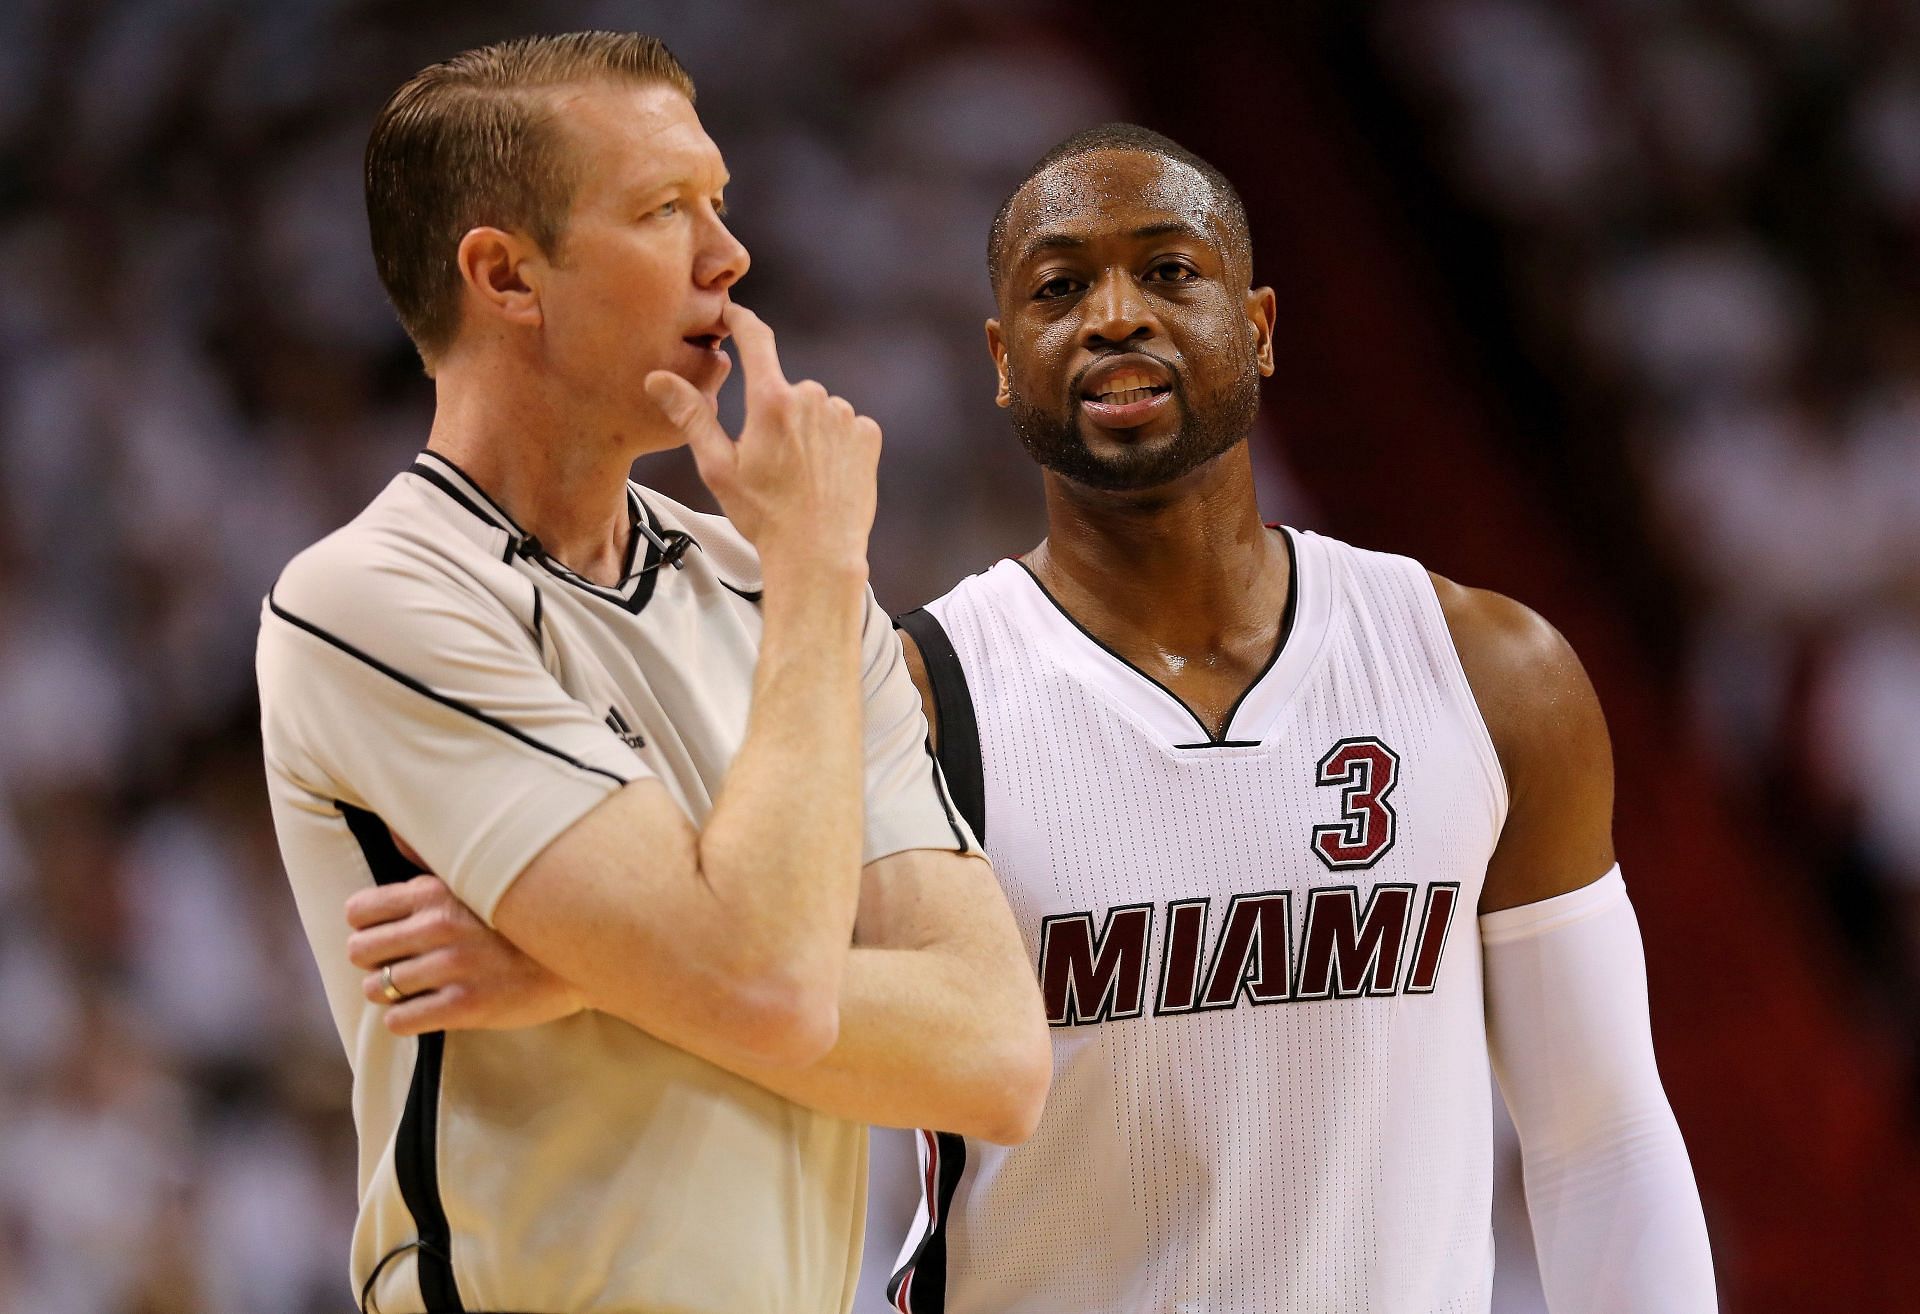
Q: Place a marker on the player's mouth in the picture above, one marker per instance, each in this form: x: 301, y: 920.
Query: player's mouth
x: 1123, y: 392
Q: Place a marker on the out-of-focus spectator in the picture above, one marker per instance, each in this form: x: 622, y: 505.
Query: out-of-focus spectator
x: 1727, y: 200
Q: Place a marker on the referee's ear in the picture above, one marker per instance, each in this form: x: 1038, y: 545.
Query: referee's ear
x: 500, y: 270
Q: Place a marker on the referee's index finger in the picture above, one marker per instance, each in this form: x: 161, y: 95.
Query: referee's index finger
x: 758, y: 359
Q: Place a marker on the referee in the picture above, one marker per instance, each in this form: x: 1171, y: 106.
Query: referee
x: 676, y: 759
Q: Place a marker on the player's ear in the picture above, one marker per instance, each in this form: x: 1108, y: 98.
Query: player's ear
x: 1262, y: 309
x: 997, y: 348
x: 500, y: 270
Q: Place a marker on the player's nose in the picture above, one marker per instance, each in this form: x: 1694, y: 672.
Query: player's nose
x: 1116, y: 310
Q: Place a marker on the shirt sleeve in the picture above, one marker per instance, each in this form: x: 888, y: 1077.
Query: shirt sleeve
x: 907, y: 802
x: 412, y: 693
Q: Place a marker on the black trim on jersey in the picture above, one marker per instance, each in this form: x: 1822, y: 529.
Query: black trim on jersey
x: 927, y: 1266
x: 419, y: 688
x: 416, y: 1165
x: 959, y: 738
x: 499, y: 512
x: 1287, y: 614
x: 751, y: 595
x: 644, y: 578
x: 452, y: 490
x: 522, y: 544
x: 946, y: 799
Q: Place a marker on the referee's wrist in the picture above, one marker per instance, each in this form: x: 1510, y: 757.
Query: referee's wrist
x: 815, y: 575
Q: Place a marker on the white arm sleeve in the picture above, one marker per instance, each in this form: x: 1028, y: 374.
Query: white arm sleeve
x: 1616, y: 1215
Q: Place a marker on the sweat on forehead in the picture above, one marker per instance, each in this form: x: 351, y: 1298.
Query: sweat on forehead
x: 1097, y: 169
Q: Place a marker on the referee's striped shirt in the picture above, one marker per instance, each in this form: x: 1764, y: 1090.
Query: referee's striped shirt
x: 425, y: 669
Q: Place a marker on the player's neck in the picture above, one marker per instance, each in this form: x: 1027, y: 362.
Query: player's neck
x: 1188, y: 568
x: 564, y: 486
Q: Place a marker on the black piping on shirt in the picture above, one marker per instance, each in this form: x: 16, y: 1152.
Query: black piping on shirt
x: 401, y: 677
x: 416, y: 1145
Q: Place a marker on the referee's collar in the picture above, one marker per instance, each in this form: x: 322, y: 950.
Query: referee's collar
x: 462, y: 488
x: 638, y: 571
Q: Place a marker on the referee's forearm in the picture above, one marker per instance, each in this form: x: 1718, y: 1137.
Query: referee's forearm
x: 781, y: 849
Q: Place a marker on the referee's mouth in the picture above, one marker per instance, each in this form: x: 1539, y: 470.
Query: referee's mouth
x: 703, y: 362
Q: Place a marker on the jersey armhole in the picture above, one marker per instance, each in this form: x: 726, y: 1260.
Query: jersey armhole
x: 1455, y: 674
x: 959, y: 753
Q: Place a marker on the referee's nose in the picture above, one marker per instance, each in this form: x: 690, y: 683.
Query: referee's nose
x: 722, y: 260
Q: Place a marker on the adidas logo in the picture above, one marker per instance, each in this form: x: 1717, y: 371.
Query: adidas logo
x: 618, y: 724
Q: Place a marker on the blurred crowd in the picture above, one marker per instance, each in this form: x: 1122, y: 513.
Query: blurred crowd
x: 199, y: 376
x: 1708, y: 219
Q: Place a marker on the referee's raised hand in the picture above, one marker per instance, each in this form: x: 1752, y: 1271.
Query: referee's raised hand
x: 799, y: 481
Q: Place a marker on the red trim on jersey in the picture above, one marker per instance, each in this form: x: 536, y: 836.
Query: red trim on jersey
x: 902, y: 1298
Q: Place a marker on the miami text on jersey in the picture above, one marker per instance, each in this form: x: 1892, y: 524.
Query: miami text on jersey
x: 1345, y: 952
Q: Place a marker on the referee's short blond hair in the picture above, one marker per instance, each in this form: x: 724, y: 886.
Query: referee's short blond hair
x: 471, y: 142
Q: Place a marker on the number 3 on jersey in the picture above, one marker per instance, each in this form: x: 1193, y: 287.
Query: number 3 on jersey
x: 1368, y: 770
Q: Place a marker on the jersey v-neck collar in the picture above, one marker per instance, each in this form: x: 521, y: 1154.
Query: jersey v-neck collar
x: 1162, y: 712
x: 635, y: 590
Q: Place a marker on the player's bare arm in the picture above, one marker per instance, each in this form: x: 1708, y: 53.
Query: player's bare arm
x: 1551, y: 738
x: 1616, y: 1216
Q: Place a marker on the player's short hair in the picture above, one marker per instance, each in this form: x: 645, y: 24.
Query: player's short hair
x: 471, y: 142
x: 1130, y: 137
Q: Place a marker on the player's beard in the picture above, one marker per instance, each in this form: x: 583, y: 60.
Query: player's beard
x: 1209, y: 425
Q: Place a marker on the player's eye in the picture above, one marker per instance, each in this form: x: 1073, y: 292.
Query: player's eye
x: 1173, y: 271
x: 1054, y: 288
x: 665, y: 211
x: 720, y: 206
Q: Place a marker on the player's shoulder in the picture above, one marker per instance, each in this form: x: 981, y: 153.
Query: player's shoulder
x: 981, y: 588
x: 1501, y: 636
x: 1530, y: 684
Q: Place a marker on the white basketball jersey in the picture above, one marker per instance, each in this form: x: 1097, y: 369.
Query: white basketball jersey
x: 1260, y: 958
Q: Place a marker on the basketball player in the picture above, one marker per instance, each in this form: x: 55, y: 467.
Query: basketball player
x: 1297, y: 836
x: 676, y: 759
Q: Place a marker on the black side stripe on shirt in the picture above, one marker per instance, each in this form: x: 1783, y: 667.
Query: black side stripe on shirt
x: 401, y: 677
x: 959, y: 752
x: 416, y: 1145
x: 920, y: 1287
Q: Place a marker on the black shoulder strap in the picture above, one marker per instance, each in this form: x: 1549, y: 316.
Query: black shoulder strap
x: 959, y: 754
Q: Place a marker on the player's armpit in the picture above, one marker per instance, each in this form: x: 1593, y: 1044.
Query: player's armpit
x: 1551, y: 737
x: 917, y: 670
x: 618, y: 905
